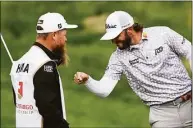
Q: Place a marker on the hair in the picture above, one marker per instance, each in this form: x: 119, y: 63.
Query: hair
x: 138, y: 27
x: 65, y: 57
x: 42, y: 35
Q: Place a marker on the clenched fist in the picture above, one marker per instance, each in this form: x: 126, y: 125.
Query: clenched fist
x: 80, y: 77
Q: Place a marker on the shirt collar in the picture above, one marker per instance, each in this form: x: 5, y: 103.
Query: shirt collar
x: 50, y: 54
x: 144, y: 37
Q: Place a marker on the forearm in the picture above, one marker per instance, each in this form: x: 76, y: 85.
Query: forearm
x: 101, y: 88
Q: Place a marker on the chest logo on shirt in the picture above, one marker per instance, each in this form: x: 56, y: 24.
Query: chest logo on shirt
x: 135, y: 61
x: 48, y: 68
x: 40, y: 21
x: 158, y: 50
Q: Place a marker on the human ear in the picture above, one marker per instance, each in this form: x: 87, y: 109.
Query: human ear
x: 54, y: 36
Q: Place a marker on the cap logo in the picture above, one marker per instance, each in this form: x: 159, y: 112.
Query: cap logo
x: 125, y: 25
x: 60, y: 26
x: 40, y: 21
x: 107, y: 26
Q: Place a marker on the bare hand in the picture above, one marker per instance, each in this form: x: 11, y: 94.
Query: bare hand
x: 80, y: 77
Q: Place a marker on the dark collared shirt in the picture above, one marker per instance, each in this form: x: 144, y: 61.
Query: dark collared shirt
x: 47, y: 92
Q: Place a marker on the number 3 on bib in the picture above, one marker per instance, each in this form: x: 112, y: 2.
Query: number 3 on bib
x: 20, y: 90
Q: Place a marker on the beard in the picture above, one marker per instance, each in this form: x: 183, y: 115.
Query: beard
x: 126, y: 43
x: 61, y: 55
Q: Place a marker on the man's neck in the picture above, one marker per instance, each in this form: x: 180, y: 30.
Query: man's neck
x: 45, y: 43
x: 136, y: 38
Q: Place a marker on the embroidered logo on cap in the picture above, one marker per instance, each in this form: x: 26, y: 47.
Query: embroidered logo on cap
x: 125, y: 26
x: 40, y: 21
x: 60, y: 26
x: 107, y: 26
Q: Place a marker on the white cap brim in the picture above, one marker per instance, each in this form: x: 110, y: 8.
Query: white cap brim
x: 111, y: 35
x: 71, y: 26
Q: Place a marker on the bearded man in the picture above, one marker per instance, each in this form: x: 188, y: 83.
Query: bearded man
x: 37, y: 86
x: 150, y: 59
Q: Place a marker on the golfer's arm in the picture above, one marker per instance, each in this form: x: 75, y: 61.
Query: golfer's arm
x: 187, y: 51
x: 180, y: 45
x: 101, y: 88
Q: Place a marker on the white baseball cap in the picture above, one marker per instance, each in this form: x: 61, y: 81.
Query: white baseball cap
x: 52, y: 22
x: 116, y: 22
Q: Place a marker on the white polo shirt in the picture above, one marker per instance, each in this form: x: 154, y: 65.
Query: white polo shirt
x: 153, y: 67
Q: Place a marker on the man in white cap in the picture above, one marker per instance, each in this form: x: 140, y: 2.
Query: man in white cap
x: 39, y: 97
x: 150, y: 59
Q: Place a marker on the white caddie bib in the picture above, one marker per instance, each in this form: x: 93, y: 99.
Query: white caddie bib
x: 22, y: 73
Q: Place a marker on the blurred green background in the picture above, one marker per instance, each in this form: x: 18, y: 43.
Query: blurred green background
x: 122, y: 108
